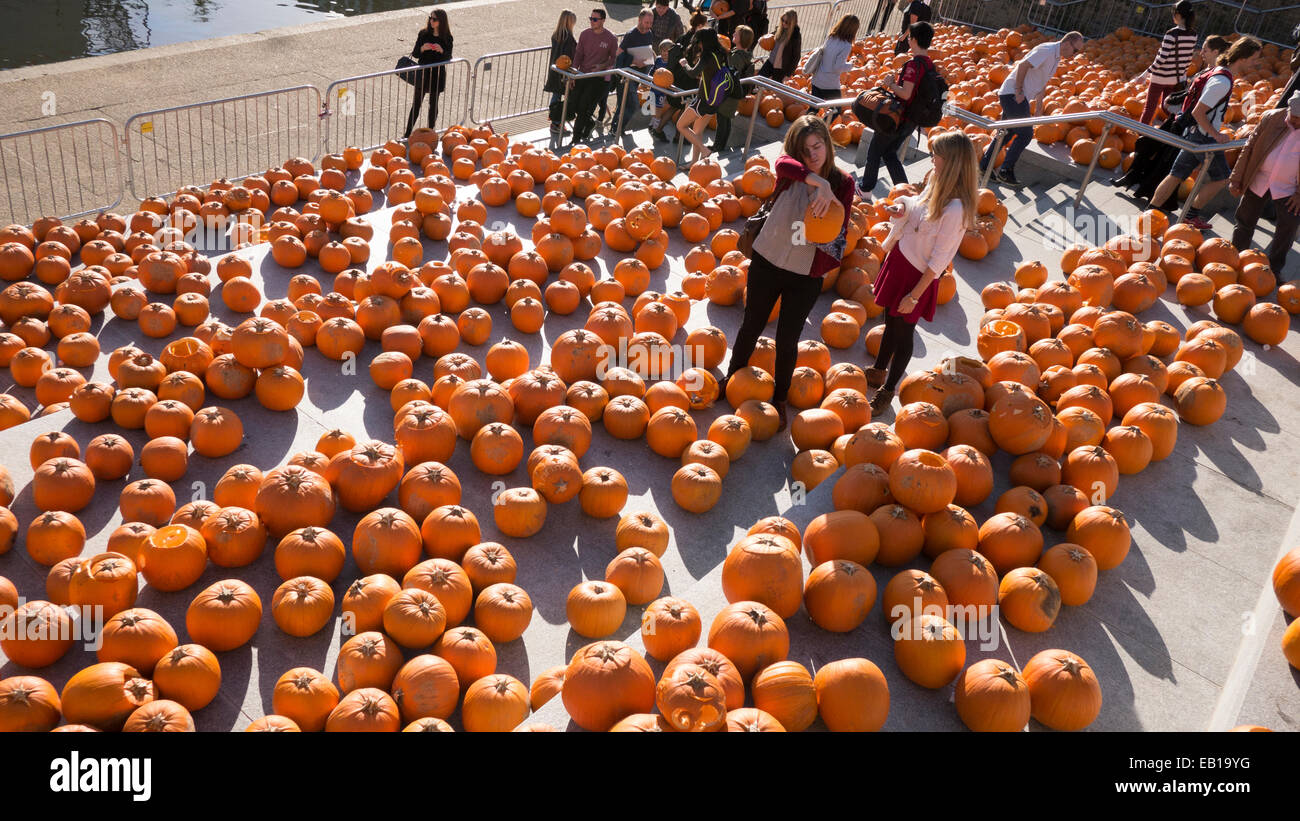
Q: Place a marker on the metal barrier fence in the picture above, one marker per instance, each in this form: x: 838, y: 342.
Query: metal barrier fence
x: 232, y: 138
x: 989, y: 15
x: 630, y: 76
x: 72, y: 169
x: 1061, y: 16
x: 1275, y: 25
x: 369, y: 110
x: 509, y: 84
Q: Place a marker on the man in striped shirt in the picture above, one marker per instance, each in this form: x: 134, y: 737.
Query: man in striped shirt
x: 1169, y: 70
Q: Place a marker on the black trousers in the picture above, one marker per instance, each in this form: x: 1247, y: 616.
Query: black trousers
x: 798, y: 293
x: 420, y: 94
x: 587, y: 93
x: 886, y: 6
x: 884, y: 148
x: 723, y: 133
x: 1249, y: 210
x: 769, y: 70
x: 896, y: 349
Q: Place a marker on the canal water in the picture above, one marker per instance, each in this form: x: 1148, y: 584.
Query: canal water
x: 48, y: 31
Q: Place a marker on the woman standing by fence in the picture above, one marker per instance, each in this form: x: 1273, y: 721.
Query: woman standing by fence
x: 433, y: 45
x: 923, y: 237
x: 784, y: 58
x: 563, y: 44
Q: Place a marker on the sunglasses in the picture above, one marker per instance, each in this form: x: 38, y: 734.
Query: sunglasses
x: 595, y: 19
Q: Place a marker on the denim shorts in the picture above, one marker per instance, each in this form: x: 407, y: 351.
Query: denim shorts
x: 1187, y: 162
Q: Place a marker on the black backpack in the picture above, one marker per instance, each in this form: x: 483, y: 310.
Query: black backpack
x: 926, y: 108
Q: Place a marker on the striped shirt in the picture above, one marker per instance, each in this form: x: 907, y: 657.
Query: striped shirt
x: 1175, y: 55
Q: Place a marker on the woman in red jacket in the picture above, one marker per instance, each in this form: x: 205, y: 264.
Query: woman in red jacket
x: 785, y: 266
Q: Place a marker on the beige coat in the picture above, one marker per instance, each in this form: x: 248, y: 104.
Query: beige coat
x: 1269, y: 133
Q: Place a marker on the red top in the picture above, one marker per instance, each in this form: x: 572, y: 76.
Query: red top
x: 595, y: 52
x: 913, y: 70
x: 789, y: 168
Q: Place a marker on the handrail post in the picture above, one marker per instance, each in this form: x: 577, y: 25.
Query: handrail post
x: 1092, y: 166
x: 753, y: 118
x: 564, y: 115
x: 993, y: 158
x: 622, y: 111
x: 1196, y: 186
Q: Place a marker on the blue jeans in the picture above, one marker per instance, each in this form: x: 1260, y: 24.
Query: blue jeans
x: 1020, y: 137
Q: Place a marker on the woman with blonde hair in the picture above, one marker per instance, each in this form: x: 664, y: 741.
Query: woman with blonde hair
x: 785, y: 266
x: 924, y: 233
x: 784, y: 57
x: 563, y: 44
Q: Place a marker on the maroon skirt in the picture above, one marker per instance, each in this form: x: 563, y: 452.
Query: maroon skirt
x: 896, y: 280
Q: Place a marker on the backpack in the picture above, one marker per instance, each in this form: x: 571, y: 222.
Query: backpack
x: 757, y: 18
x: 926, y: 108
x: 718, y: 86
x: 1192, y: 96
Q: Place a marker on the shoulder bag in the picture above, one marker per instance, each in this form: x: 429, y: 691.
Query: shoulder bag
x: 407, y: 61
x: 755, y: 223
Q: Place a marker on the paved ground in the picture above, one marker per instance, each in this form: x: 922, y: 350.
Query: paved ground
x: 1180, y: 635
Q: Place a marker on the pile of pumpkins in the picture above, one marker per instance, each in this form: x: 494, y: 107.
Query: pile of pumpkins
x: 430, y: 587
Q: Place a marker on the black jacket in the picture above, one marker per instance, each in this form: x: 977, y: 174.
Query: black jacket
x: 569, y: 47
x: 921, y: 10
x: 429, y: 57
x: 793, y: 51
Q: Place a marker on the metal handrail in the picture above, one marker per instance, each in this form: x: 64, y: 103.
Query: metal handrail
x: 628, y: 74
x: 1112, y: 120
x: 791, y: 93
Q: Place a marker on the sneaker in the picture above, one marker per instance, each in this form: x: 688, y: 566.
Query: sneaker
x: 880, y: 401
x: 658, y: 134
x: 875, y: 377
x: 1008, y: 178
x: 1197, y: 223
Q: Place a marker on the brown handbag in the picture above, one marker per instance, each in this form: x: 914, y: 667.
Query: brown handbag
x: 755, y: 223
